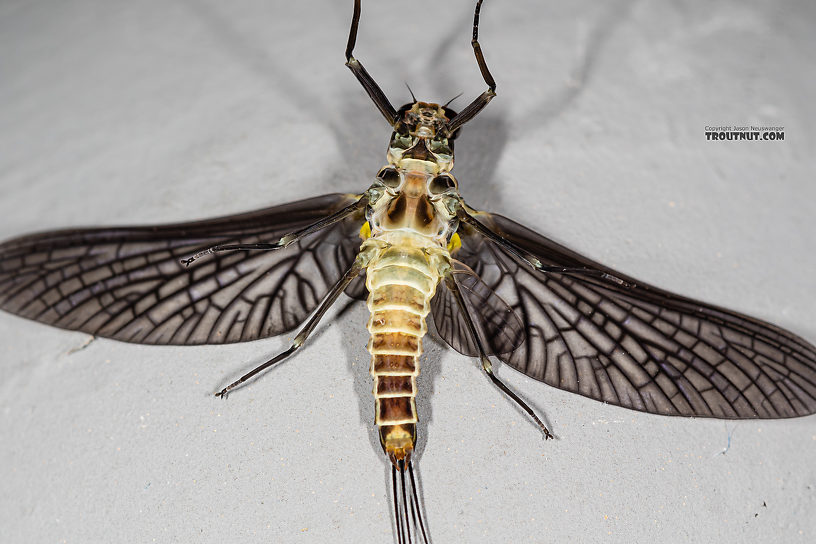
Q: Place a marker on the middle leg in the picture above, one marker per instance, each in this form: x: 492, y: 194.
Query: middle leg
x: 487, y: 366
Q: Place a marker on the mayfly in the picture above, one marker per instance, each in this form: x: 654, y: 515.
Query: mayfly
x: 410, y: 246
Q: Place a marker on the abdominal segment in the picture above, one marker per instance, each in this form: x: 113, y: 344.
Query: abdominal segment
x: 401, y: 283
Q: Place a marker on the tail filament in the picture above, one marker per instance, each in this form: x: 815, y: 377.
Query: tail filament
x: 405, y: 499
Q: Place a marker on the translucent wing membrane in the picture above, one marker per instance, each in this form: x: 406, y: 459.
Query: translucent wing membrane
x: 498, y: 326
x: 127, y: 283
x: 638, y: 346
x: 357, y: 288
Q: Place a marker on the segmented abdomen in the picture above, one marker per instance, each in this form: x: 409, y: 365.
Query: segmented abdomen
x: 401, y: 281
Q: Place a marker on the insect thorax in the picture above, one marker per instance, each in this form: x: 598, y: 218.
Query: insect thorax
x: 415, y: 191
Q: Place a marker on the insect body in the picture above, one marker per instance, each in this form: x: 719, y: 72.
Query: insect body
x: 410, y: 228
x: 491, y: 286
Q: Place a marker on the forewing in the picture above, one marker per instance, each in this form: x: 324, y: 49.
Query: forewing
x: 128, y: 284
x: 638, y: 346
x: 497, y: 325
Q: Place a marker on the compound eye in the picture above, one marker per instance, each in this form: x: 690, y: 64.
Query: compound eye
x: 389, y: 176
x: 441, y: 184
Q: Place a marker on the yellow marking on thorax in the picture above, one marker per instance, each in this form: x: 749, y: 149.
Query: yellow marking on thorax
x: 454, y: 244
x: 365, y: 231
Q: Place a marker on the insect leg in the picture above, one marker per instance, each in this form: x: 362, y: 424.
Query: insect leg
x: 371, y: 88
x: 519, y: 253
x: 290, y: 238
x: 359, y: 263
x: 450, y: 282
x: 472, y: 109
